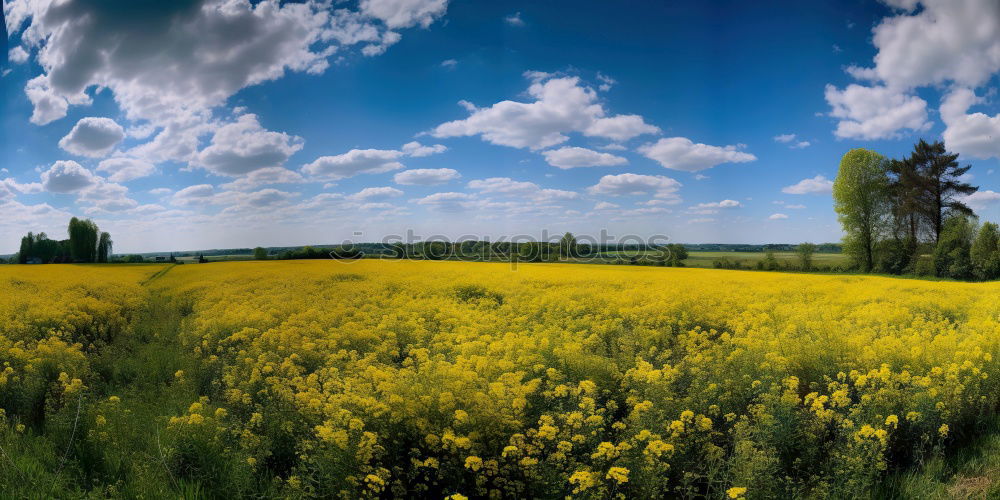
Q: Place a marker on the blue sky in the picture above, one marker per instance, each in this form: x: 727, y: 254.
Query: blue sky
x: 207, y: 124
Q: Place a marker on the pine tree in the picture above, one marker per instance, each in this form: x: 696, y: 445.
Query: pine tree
x: 939, y: 182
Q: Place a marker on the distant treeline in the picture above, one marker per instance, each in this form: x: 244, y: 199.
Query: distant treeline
x: 768, y: 247
x: 567, y: 248
x: 498, y: 250
x: 309, y: 252
x: 474, y: 248
x: 86, y: 243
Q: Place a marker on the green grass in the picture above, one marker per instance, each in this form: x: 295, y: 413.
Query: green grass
x: 71, y: 455
x: 749, y: 259
x: 971, y: 471
x: 216, y: 258
x: 746, y: 259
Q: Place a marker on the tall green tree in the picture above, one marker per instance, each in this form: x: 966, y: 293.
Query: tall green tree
x: 567, y: 246
x: 260, y: 253
x: 860, y: 195
x: 939, y: 184
x: 26, y: 252
x: 985, y: 252
x: 952, y: 254
x: 677, y: 254
x: 83, y: 239
x: 38, y: 246
x: 904, y: 190
x: 104, y: 245
x: 805, y: 252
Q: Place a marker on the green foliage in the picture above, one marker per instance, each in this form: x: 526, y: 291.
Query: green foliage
x: 475, y: 293
x: 889, y: 207
x: 895, y: 256
x: 924, y: 266
x: 675, y: 255
x: 971, y: 471
x: 83, y: 239
x: 727, y: 263
x: 938, y: 185
x: 260, y: 253
x: 104, y: 245
x: 860, y: 195
x: 769, y: 262
x: 905, y: 199
x: 535, y: 251
x: 568, y: 246
x: 985, y: 252
x: 805, y: 252
x: 39, y: 248
x: 952, y: 255
x: 85, y: 244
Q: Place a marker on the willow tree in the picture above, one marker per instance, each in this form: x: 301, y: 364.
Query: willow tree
x: 860, y: 196
x: 104, y: 247
x: 83, y: 236
x: 27, y: 249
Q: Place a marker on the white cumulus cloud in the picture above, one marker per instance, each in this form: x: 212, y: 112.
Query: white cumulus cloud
x: 122, y: 169
x: 447, y: 201
x: 68, y: 176
x: 26, y: 188
x: 875, y: 112
x: 926, y: 43
x: 264, y: 177
x: 560, y: 106
x: 718, y: 204
x: 426, y: 176
x: 510, y: 187
x: 375, y: 194
x: 197, y: 194
x: 571, y: 157
x: 636, y: 184
x: 418, y: 150
x: 971, y: 134
x: 17, y: 55
x: 981, y: 199
x: 815, y: 185
x: 405, y: 13
x: 946, y: 40
x: 94, y: 137
x: 169, y: 67
x: 243, y: 146
x: 354, y: 162
x: 679, y: 153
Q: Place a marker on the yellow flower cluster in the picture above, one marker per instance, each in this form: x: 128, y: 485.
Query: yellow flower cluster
x: 408, y: 377
x: 437, y: 379
x: 51, y: 318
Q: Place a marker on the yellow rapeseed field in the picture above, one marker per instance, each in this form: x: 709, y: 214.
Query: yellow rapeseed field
x: 51, y: 317
x: 436, y: 379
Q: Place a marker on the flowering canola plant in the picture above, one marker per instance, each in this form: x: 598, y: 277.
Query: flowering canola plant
x: 51, y: 319
x: 468, y: 380
x: 386, y: 378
